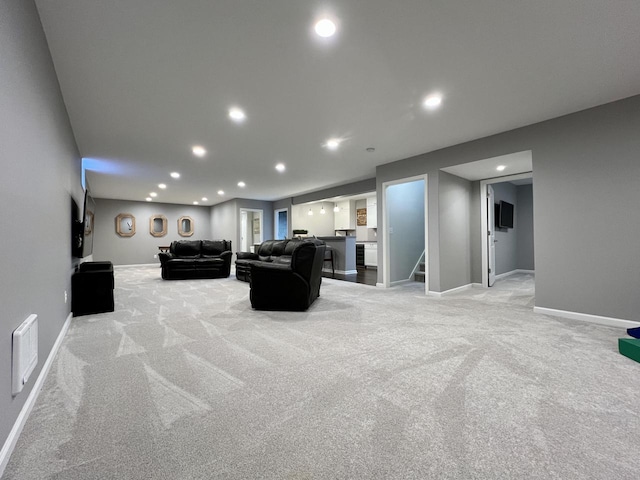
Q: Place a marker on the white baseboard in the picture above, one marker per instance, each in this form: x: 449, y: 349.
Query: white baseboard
x: 12, y: 439
x: 380, y: 285
x: 513, y: 272
x: 341, y: 272
x: 585, y: 317
x: 452, y: 290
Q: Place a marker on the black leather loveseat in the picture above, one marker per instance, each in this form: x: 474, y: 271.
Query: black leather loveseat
x: 284, y: 274
x: 196, y: 259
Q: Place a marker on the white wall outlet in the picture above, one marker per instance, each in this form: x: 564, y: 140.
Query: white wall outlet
x: 155, y: 255
x: 65, y: 296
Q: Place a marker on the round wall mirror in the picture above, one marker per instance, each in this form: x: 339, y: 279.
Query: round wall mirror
x: 185, y: 226
x: 158, y: 225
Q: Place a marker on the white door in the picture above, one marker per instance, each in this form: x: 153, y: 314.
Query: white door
x: 491, y: 235
x: 244, y: 247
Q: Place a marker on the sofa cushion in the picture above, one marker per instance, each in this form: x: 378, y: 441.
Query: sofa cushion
x: 211, y: 248
x: 187, y: 248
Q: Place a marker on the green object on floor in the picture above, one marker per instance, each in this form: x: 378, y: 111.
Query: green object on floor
x: 630, y: 347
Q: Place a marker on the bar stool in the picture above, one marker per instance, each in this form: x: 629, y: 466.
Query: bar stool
x: 328, y: 257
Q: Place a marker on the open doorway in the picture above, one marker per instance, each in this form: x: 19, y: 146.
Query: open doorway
x: 506, y: 217
x: 405, y: 230
x: 281, y: 224
x: 251, y: 228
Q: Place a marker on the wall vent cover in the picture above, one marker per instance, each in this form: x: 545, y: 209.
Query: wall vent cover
x: 25, y: 352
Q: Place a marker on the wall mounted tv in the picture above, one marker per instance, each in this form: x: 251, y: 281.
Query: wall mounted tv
x: 83, y: 229
x: 504, y: 217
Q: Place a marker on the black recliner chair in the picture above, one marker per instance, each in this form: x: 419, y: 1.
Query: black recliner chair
x: 291, y: 286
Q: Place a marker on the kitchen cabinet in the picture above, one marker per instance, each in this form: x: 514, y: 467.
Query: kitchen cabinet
x: 371, y: 254
x: 372, y: 212
x: 345, y: 217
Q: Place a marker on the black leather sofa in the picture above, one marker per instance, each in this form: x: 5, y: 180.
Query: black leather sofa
x: 284, y: 274
x: 92, y: 288
x: 189, y: 259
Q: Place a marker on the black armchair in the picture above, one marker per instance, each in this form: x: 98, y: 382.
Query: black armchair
x: 290, y: 286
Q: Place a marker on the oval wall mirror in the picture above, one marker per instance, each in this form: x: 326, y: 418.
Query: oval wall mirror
x: 185, y: 226
x: 158, y: 225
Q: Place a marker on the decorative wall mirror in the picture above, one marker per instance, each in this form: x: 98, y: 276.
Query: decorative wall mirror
x: 158, y: 225
x: 185, y: 226
x: 126, y: 225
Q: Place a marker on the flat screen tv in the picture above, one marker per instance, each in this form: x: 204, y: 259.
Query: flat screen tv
x: 505, y: 215
x: 83, y: 229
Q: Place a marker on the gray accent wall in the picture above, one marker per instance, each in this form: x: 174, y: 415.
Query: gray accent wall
x: 455, y: 230
x: 40, y: 182
x: 225, y: 218
x: 507, y: 238
x: 142, y: 248
x: 586, y: 172
x: 524, y: 218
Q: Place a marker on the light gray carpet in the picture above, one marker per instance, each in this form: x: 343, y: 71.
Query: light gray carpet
x: 185, y: 381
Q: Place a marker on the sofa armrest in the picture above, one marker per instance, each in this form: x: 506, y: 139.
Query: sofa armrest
x: 165, y: 257
x: 247, y: 256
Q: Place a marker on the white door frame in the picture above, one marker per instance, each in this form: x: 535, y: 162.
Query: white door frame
x: 386, y: 270
x: 483, y: 218
x: 254, y: 210
x: 275, y: 221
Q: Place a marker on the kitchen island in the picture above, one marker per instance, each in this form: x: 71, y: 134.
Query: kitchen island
x: 344, y: 254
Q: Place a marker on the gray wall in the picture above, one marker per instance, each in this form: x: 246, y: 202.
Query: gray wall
x: 142, y: 247
x: 455, y: 230
x: 525, y: 227
x: 225, y: 218
x: 40, y: 176
x: 355, y: 188
x: 405, y: 211
x: 585, y: 194
x: 225, y: 222
x: 507, y: 238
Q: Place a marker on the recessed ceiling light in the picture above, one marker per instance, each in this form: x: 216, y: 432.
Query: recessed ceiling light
x: 333, y: 143
x: 237, y: 115
x: 204, y: 199
x: 325, y: 28
x: 195, y: 203
x: 153, y: 194
x: 148, y: 199
x: 162, y: 186
x: 501, y: 167
x: 432, y: 101
x: 242, y: 184
x: 280, y: 167
x: 175, y: 175
x: 220, y: 192
x: 199, y: 151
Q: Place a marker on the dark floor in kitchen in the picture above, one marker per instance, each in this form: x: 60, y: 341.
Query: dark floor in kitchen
x: 366, y: 276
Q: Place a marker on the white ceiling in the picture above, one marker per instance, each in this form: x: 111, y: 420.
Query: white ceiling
x: 144, y: 80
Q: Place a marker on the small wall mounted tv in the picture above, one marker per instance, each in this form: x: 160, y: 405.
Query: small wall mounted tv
x: 504, y: 217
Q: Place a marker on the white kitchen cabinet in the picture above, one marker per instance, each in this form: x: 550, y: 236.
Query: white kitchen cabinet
x: 372, y: 212
x: 345, y: 217
x: 370, y: 254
